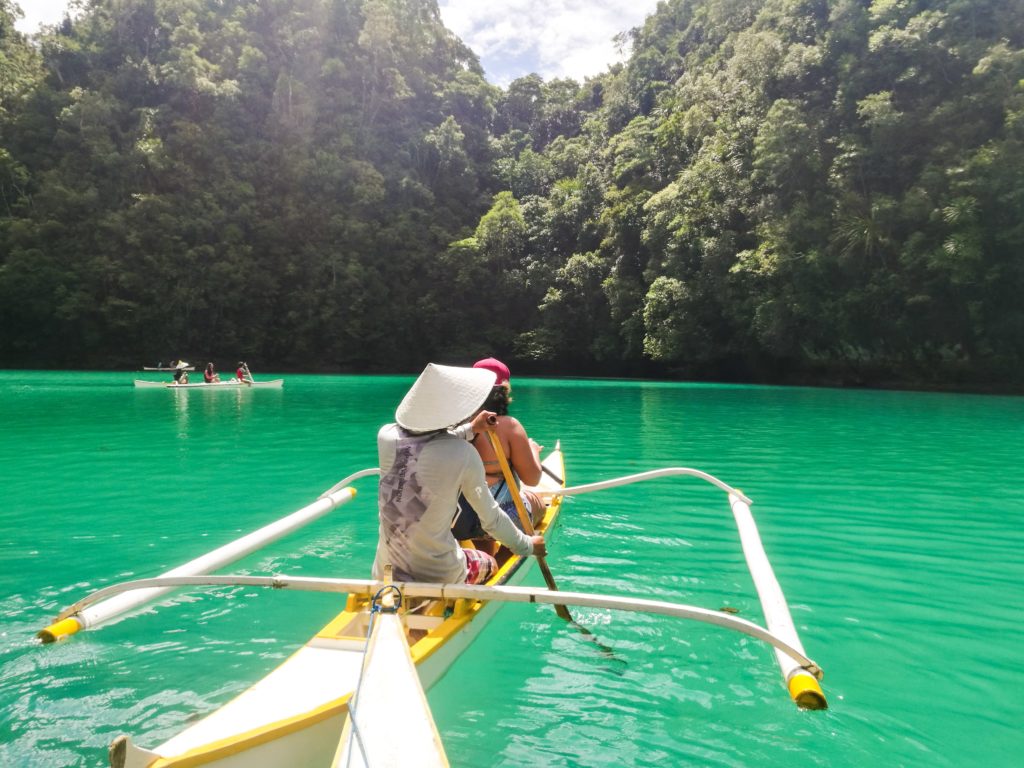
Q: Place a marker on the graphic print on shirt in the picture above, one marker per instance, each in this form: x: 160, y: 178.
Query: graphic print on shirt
x: 402, y: 503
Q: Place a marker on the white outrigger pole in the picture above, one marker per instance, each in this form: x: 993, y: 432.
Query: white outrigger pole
x: 537, y: 595
x: 73, y: 618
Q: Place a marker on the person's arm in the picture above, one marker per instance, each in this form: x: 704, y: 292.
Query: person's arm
x: 463, y: 431
x: 524, y: 453
x: 492, y: 518
x: 468, y: 431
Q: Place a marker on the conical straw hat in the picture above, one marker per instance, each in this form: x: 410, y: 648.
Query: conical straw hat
x: 443, y: 396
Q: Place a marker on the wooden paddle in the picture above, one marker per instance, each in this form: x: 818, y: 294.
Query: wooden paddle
x: 524, y: 518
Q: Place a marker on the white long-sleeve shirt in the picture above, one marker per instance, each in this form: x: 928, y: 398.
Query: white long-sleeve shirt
x: 420, y: 482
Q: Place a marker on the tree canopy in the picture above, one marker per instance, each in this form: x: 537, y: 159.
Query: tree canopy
x: 771, y: 190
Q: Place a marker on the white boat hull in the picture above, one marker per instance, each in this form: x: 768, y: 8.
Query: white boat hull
x: 230, y: 384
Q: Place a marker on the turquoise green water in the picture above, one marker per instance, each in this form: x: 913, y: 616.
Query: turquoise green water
x: 893, y: 521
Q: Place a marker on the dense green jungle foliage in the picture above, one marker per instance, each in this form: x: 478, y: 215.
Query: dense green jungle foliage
x: 771, y: 190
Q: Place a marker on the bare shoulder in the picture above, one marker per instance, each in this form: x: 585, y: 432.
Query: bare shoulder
x: 509, y: 425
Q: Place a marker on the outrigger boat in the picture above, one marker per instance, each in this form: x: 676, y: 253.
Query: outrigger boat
x: 335, y: 701
x: 227, y: 384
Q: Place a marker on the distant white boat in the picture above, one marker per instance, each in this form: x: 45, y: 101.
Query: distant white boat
x: 229, y: 384
x: 153, y: 368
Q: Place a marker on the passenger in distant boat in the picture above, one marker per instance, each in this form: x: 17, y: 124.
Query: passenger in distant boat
x: 426, y: 461
x: 242, y: 374
x: 523, y: 455
x: 180, y: 374
x: 210, y: 376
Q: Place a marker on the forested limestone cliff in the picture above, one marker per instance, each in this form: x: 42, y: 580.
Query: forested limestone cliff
x: 772, y: 190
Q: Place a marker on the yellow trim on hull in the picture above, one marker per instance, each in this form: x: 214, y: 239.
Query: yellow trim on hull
x: 218, y: 750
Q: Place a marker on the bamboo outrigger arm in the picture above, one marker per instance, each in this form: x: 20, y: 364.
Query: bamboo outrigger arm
x: 70, y: 622
x: 538, y: 595
x: 653, y: 474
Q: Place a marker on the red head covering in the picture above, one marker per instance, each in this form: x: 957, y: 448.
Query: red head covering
x: 495, y: 366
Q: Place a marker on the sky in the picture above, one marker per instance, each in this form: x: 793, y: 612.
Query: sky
x: 554, y: 38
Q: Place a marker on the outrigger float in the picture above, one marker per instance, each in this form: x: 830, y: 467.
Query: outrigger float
x: 334, y: 702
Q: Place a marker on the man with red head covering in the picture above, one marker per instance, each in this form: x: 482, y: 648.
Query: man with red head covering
x: 522, y: 452
x: 498, y: 368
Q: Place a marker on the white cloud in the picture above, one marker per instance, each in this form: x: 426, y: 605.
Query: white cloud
x: 40, y: 12
x: 554, y: 38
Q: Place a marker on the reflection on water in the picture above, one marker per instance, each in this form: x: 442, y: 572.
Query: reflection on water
x: 182, y: 401
x: 213, y: 404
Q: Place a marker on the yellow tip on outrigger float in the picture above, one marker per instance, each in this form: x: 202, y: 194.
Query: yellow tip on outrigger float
x: 59, y: 631
x: 806, y: 692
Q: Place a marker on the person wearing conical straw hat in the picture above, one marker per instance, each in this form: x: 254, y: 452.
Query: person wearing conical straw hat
x: 426, y: 461
x: 181, y: 372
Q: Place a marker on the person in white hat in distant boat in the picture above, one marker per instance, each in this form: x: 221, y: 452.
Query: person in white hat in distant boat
x: 181, y: 372
x: 426, y: 461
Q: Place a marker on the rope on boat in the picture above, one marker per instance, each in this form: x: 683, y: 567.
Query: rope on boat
x: 377, y: 602
x: 356, y: 735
